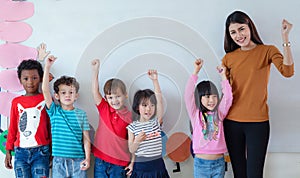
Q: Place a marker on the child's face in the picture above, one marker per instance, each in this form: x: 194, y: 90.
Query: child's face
x: 30, y: 80
x: 147, y: 110
x: 66, y: 96
x: 209, y: 101
x: 116, y: 99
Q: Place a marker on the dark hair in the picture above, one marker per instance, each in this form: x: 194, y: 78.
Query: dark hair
x: 241, y: 18
x: 112, y: 85
x: 139, y: 97
x: 30, y: 64
x: 205, y: 88
x: 66, y: 80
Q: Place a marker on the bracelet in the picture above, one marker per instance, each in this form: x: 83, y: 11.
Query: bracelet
x: 288, y: 44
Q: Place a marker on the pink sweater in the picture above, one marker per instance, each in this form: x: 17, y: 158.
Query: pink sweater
x: 200, y: 144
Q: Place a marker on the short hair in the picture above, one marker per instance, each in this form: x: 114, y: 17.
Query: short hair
x: 65, y: 80
x: 139, y: 97
x: 241, y: 18
x: 112, y: 85
x: 30, y: 64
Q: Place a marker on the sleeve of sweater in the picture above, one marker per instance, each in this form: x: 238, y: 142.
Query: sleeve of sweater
x: 190, y: 98
x: 277, y: 59
x: 13, y: 128
x: 226, y: 100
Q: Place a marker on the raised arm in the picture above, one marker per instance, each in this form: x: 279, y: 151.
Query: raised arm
x: 45, y: 85
x: 153, y: 75
x: 189, y: 96
x: 227, y: 97
x: 287, y: 53
x: 95, y: 84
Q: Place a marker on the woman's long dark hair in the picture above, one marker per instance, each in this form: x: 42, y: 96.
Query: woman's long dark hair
x: 139, y: 97
x: 205, y: 88
x: 241, y: 18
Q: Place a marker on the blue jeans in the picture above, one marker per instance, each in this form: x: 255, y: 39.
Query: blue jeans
x: 209, y: 168
x: 32, y: 162
x: 67, y: 167
x: 104, y: 169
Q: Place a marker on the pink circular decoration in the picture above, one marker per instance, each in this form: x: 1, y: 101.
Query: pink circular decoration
x: 15, y: 11
x: 5, y: 102
x: 12, y: 54
x: 9, y: 80
x: 15, y: 31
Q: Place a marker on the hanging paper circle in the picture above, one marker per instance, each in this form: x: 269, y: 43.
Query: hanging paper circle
x: 12, y: 54
x: 15, y: 31
x: 3, y: 139
x: 15, y: 11
x: 5, y: 102
x: 9, y: 80
x: 164, y: 138
x: 178, y: 147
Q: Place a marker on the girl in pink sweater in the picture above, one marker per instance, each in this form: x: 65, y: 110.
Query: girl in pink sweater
x: 206, y: 112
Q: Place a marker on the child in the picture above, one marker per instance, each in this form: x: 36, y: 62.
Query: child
x: 69, y: 126
x: 207, y: 114
x: 144, y: 134
x: 29, y: 129
x: 111, y: 145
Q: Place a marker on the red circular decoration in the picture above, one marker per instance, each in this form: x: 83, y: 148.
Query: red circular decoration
x: 178, y: 147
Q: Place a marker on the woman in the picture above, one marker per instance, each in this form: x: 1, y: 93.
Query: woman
x: 248, y: 63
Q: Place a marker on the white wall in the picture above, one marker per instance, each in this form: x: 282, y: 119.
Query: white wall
x: 168, y: 35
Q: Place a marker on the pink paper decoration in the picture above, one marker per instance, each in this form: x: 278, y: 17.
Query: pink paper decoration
x: 5, y: 102
x: 12, y: 54
x: 15, y: 11
x: 9, y: 80
x: 15, y: 31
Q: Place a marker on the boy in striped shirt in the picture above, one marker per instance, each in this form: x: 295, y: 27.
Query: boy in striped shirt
x: 69, y: 126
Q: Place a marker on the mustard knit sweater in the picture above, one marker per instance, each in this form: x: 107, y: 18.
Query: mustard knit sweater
x: 248, y: 73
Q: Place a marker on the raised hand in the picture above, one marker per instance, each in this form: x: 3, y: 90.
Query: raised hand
x: 50, y: 60
x: 152, y: 74
x: 95, y: 64
x: 42, y: 53
x: 197, y: 65
x: 286, y: 27
x: 222, y: 71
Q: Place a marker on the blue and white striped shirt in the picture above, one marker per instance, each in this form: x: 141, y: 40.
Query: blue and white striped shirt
x: 67, y: 128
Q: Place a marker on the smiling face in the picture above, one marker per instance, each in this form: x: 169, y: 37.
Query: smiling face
x: 241, y: 35
x: 116, y: 99
x: 146, y: 110
x: 30, y: 80
x: 209, y: 101
x: 66, y: 96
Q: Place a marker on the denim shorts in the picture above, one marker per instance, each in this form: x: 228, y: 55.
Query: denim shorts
x: 67, y: 167
x: 32, y: 162
x: 209, y: 168
x: 104, y: 169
